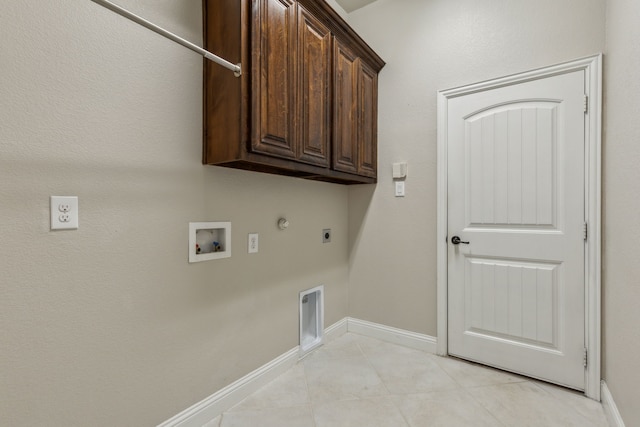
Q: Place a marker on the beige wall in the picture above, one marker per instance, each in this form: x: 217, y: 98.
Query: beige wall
x: 430, y: 46
x: 438, y: 44
x: 621, y: 193
x: 109, y: 324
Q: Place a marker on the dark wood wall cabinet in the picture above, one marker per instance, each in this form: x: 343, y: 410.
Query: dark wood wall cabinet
x: 306, y: 104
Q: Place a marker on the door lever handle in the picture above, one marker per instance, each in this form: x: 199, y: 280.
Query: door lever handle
x: 456, y: 241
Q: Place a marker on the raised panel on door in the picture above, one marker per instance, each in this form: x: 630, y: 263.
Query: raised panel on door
x: 511, y: 299
x: 516, y: 194
x: 368, y: 122
x: 314, y: 106
x: 513, y: 178
x: 274, y: 77
x: 345, y: 122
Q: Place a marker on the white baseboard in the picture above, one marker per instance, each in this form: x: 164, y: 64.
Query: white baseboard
x: 336, y: 330
x: 393, y: 335
x: 214, y: 405
x: 610, y: 408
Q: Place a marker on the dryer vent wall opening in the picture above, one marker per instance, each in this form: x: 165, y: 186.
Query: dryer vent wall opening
x: 311, y: 318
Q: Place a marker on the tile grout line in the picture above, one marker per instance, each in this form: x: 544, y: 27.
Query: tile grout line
x: 465, y: 389
x: 491, y: 414
x: 431, y: 357
x: 390, y: 395
x: 306, y: 384
x: 556, y: 397
x: 374, y: 368
x: 398, y: 399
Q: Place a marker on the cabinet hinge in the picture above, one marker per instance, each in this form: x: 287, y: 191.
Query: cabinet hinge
x: 585, y: 105
x: 585, y: 232
x: 584, y: 358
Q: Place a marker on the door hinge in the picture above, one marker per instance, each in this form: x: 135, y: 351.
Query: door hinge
x: 585, y: 232
x: 586, y: 104
x: 584, y: 358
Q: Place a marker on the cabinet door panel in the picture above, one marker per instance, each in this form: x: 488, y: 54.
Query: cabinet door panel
x: 314, y: 107
x: 368, y: 123
x: 345, y: 113
x: 274, y: 100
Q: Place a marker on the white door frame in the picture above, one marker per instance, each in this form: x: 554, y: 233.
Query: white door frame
x: 592, y: 67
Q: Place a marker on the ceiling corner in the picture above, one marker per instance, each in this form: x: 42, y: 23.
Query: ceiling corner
x: 351, y: 5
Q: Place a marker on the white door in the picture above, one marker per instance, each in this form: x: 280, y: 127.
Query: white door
x: 516, y: 194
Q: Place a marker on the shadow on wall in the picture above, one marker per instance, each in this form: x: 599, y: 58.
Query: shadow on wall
x: 360, y: 197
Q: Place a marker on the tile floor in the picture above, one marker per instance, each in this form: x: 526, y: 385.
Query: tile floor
x: 360, y: 381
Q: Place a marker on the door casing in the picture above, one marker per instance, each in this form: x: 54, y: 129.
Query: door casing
x: 592, y: 67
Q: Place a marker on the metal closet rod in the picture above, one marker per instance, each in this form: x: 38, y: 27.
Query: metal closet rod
x: 236, y: 68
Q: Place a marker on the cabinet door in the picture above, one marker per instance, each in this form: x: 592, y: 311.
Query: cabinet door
x: 273, y: 94
x: 314, y: 106
x: 345, y: 119
x: 368, y: 121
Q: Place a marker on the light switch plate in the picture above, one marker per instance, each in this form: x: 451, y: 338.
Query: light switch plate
x: 253, y: 243
x: 399, y: 188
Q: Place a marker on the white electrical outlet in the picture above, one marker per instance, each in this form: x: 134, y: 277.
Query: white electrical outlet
x: 253, y: 243
x: 64, y: 212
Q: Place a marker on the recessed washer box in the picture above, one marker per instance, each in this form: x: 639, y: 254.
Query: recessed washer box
x: 311, y: 319
x: 209, y: 240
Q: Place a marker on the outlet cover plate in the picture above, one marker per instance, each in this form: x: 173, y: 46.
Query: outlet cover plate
x: 64, y: 212
x: 326, y: 235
